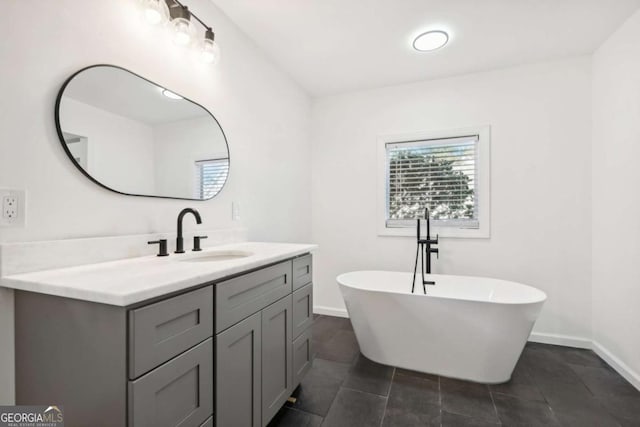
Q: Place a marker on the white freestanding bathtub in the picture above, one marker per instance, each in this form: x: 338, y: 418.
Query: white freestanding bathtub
x: 470, y: 328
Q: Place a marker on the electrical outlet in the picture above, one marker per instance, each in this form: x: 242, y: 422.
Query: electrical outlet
x: 13, y: 208
x: 10, y: 207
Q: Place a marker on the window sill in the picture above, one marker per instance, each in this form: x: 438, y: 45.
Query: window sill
x: 446, y: 232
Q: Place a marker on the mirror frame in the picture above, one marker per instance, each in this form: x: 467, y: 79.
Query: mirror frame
x: 94, y: 180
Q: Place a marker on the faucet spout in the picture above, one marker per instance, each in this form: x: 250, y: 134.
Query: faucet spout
x: 180, y: 238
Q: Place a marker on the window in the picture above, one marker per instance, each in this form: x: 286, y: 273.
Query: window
x: 446, y: 172
x: 210, y: 177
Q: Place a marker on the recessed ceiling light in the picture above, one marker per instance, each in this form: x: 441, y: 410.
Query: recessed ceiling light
x: 170, y: 94
x: 431, y: 40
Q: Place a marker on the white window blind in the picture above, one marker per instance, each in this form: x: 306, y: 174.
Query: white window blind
x: 439, y: 174
x: 211, y: 176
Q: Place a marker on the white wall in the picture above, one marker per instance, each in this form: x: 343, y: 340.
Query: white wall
x: 264, y: 115
x: 178, y: 145
x: 616, y: 197
x: 540, y: 119
x: 120, y: 151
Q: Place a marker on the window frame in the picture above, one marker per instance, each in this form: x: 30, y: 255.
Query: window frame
x: 483, y: 184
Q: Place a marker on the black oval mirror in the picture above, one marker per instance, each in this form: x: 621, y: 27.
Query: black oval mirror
x: 132, y: 136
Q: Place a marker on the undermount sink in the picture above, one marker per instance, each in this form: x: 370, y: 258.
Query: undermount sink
x: 216, y: 256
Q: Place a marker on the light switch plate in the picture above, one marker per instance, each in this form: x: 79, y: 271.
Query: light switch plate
x: 13, y: 205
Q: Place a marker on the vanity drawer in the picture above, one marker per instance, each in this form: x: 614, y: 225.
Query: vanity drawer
x: 178, y: 393
x: 302, y: 271
x: 240, y: 297
x: 163, y: 330
x: 302, y: 356
x: 302, y: 309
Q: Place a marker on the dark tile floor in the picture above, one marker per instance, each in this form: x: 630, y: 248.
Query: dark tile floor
x: 551, y: 386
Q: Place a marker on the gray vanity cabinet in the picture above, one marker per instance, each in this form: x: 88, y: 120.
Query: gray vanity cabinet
x: 227, y: 353
x: 238, y: 361
x: 277, y: 361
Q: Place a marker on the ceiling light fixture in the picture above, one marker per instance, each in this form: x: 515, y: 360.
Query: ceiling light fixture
x: 170, y: 94
x: 431, y: 40
x: 180, y: 21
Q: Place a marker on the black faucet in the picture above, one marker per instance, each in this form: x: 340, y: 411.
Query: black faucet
x: 424, y: 248
x: 180, y: 239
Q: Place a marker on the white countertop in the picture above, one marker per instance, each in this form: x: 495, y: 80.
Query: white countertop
x: 132, y: 280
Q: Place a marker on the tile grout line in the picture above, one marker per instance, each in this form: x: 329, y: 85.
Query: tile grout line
x: 386, y: 402
x: 342, y: 387
x: 362, y: 391
x: 291, y: 408
x: 342, y: 381
x: 324, y: 418
x: 493, y: 402
x: 581, y: 381
x: 591, y: 393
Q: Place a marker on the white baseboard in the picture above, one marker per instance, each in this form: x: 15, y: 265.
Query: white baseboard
x: 558, y: 339
x: 622, y: 368
x: 330, y: 311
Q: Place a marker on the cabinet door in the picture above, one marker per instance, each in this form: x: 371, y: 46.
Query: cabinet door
x: 178, y: 393
x: 302, y: 356
x: 277, y: 381
x: 302, y: 309
x: 238, y: 374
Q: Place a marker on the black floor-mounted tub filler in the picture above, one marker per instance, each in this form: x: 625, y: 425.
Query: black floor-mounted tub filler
x: 424, y: 249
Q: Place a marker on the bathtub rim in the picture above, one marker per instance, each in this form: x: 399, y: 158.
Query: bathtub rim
x: 543, y: 295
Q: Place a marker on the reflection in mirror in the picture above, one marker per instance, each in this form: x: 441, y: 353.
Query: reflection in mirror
x: 135, y: 137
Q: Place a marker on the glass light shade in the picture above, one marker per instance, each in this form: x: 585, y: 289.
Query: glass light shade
x: 210, y: 52
x: 183, y: 31
x: 154, y: 11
